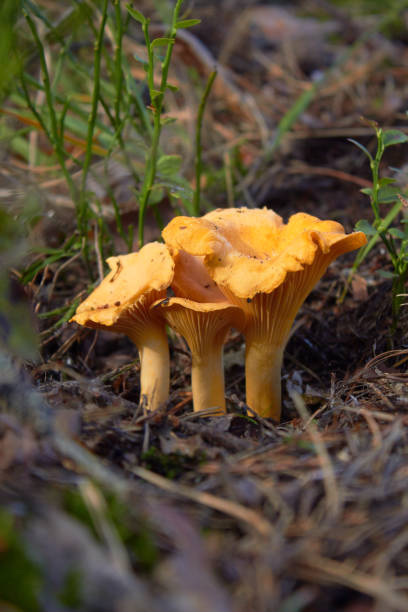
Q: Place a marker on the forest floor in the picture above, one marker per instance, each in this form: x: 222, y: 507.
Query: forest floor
x: 105, y: 507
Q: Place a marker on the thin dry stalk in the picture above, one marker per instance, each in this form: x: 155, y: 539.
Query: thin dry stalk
x: 254, y: 519
x: 333, y: 499
x: 346, y: 574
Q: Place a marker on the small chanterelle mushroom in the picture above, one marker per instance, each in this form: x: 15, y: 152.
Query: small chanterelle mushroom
x: 204, y: 326
x: 202, y: 315
x: 267, y: 268
x: 123, y: 303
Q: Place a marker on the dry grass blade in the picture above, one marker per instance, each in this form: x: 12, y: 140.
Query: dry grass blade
x: 98, y: 510
x: 90, y: 464
x: 329, y: 571
x: 333, y: 499
x: 383, y: 416
x: 254, y: 519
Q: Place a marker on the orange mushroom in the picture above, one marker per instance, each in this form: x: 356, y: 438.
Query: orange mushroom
x: 201, y: 314
x: 122, y: 303
x: 204, y: 326
x: 191, y: 279
x: 268, y: 269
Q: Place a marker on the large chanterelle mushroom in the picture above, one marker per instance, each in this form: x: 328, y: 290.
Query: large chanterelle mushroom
x: 123, y: 303
x: 268, y: 269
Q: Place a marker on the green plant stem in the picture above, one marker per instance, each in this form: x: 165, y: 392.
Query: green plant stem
x: 83, y: 204
x: 363, y: 252
x: 118, y: 60
x: 53, y: 134
x: 32, y: 107
x: 61, y: 99
x: 398, y: 288
x: 199, y: 125
x: 157, y: 104
x: 77, y: 66
x: 375, y: 166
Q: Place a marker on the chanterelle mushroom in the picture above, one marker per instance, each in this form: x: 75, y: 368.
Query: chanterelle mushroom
x: 268, y: 269
x: 122, y: 303
x: 205, y: 327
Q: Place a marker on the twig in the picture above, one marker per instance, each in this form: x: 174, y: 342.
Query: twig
x: 92, y: 346
x: 98, y: 251
x: 301, y: 168
x: 58, y: 272
x: 383, y: 416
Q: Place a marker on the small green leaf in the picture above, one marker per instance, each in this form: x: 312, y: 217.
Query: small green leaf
x: 362, y: 147
x: 37, y: 266
x: 387, y: 194
x: 140, y: 59
x: 187, y: 23
x: 367, y: 191
x: 385, y: 181
x: 154, y: 93
x: 167, y: 120
x: 386, y: 274
x: 156, y: 195
x: 366, y: 227
x: 161, y: 42
x: 136, y: 14
x: 188, y: 204
x: 393, y: 137
x: 396, y: 233
x: 167, y: 165
x: 172, y: 87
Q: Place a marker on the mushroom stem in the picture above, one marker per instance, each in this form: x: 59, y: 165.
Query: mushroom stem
x: 154, y: 365
x: 207, y: 380
x: 263, y: 364
x: 204, y: 325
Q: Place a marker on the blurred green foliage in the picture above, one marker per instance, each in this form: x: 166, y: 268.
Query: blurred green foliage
x: 10, y: 58
x: 17, y: 330
x: 70, y: 595
x: 134, y: 533
x: 17, y: 334
x: 390, y: 13
x: 170, y: 465
x: 368, y: 7
x: 387, y: 199
x: 20, y: 578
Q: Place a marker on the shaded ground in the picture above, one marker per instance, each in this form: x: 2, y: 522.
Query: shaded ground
x: 107, y: 508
